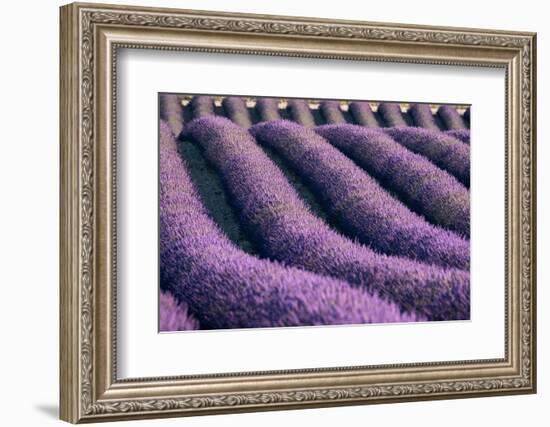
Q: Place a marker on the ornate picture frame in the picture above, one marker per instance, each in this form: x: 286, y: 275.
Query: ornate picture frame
x: 90, y: 37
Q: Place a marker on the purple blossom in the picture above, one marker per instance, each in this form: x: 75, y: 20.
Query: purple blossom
x: 300, y: 112
x: 235, y: 108
x: 391, y: 113
x: 226, y: 288
x: 268, y: 109
x: 361, y: 206
x: 173, y: 316
x: 427, y: 189
x: 332, y: 112
x: 202, y: 106
x: 450, y: 117
x: 422, y: 116
x: 445, y: 151
x: 363, y: 115
x: 460, y: 134
x: 170, y: 110
x: 287, y: 231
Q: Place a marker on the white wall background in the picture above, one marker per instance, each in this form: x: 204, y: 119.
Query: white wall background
x: 29, y: 171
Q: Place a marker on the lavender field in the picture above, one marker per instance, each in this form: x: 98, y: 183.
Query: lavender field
x: 291, y: 212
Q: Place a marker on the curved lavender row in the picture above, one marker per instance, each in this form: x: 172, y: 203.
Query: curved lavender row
x: 450, y: 118
x: 422, y: 116
x: 331, y: 112
x: 445, y: 151
x: 226, y: 288
x: 173, y: 315
x: 235, y: 108
x: 268, y: 109
x: 202, y: 106
x: 391, y: 113
x: 363, y: 208
x: 422, y: 185
x: 363, y: 115
x: 171, y: 111
x: 287, y: 231
x: 460, y: 134
x: 300, y: 112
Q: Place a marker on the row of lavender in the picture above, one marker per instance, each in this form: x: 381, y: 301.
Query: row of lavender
x: 446, y: 117
x: 398, y: 260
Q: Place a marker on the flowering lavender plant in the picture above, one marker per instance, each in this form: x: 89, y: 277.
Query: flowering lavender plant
x: 226, y: 288
x: 268, y: 109
x: 286, y: 230
x: 429, y: 190
x: 422, y: 116
x: 173, y: 316
x: 460, y: 134
x: 236, y: 109
x: 450, y: 117
x: 171, y: 111
x: 391, y: 113
x: 362, y: 114
x: 362, y: 207
x: 445, y: 151
x: 300, y: 112
x: 202, y: 106
x: 332, y: 112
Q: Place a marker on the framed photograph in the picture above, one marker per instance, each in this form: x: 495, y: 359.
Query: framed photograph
x: 268, y: 212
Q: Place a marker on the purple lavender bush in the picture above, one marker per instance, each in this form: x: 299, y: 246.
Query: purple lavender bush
x: 422, y: 116
x: 300, y: 112
x: 171, y: 111
x: 445, y: 151
x: 331, y: 112
x: 174, y: 315
x: 362, y: 207
x: 460, y: 134
x: 429, y: 190
x: 202, y: 106
x: 450, y: 117
x: 226, y: 288
x: 268, y: 109
x: 235, y: 108
x: 391, y: 113
x: 362, y: 114
x: 285, y: 230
